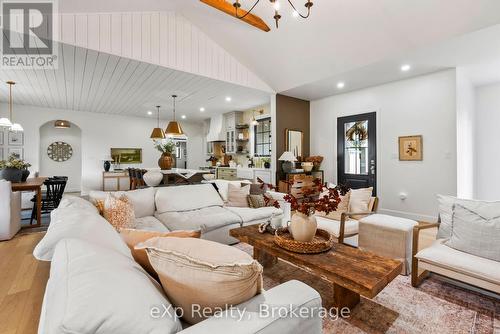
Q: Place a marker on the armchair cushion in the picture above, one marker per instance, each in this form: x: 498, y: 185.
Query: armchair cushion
x: 333, y: 226
x: 471, y: 265
x: 360, y: 201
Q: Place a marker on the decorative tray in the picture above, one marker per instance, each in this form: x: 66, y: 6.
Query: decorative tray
x: 322, y: 242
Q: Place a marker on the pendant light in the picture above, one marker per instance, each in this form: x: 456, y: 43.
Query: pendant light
x: 173, y: 127
x: 15, y: 127
x: 157, y: 132
x: 62, y: 124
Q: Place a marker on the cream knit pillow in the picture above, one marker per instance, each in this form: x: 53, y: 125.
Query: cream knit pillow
x: 203, y: 273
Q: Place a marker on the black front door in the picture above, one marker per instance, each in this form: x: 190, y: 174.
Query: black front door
x: 357, y: 151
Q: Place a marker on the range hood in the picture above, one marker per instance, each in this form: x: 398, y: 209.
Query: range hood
x: 215, y: 132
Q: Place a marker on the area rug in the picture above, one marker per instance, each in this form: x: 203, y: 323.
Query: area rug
x: 435, y: 307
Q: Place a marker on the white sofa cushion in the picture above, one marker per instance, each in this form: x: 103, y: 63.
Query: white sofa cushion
x: 69, y: 201
x: 446, y: 204
x: 390, y: 222
x: 205, y: 219
x: 248, y: 214
x: 143, y: 200
x: 333, y: 226
x: 185, y: 198
x: 84, y: 224
x: 443, y: 256
x: 475, y: 232
x: 92, y: 289
x: 150, y: 223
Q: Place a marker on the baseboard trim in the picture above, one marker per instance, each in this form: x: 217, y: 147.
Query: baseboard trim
x: 408, y: 215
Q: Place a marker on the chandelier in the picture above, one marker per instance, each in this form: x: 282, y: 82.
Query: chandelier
x: 276, y: 6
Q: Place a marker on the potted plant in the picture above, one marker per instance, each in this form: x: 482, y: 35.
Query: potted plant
x: 166, y: 148
x: 267, y: 162
x: 303, y: 224
x: 14, y: 170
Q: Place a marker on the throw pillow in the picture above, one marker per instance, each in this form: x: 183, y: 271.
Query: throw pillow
x: 475, y: 233
x: 119, y: 212
x: 257, y: 189
x: 446, y: 204
x: 359, y: 201
x: 203, y: 272
x: 92, y: 289
x: 260, y: 201
x: 143, y: 200
x: 342, y: 207
x: 133, y: 237
x: 237, y: 195
x: 99, y: 204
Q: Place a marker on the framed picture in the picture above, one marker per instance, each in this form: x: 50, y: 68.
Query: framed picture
x: 17, y: 152
x: 410, y: 148
x: 1, y: 137
x: 127, y: 155
x: 16, y: 138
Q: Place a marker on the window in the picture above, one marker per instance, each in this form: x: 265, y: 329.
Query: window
x: 262, y: 137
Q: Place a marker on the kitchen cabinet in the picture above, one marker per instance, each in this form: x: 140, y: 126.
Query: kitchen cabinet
x: 253, y: 174
x: 229, y: 174
x: 264, y: 175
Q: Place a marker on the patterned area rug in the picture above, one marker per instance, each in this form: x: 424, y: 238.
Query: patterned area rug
x: 435, y: 307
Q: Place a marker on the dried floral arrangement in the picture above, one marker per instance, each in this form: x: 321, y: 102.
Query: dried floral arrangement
x: 13, y: 162
x: 165, y: 146
x: 316, y: 198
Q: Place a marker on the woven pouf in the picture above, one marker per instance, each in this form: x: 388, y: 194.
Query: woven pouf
x: 388, y: 236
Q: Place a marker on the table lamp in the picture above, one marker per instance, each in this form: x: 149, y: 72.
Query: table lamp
x: 288, y: 159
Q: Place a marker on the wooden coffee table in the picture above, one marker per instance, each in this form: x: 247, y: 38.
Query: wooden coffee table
x: 352, y: 272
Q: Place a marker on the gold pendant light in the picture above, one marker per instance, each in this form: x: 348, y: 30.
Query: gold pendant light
x: 173, y: 127
x: 16, y: 127
x: 157, y: 132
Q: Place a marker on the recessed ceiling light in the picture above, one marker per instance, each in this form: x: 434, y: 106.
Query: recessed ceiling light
x: 183, y: 116
x: 150, y: 112
x: 340, y: 85
x: 202, y: 109
x: 405, y: 68
x: 228, y: 98
x: 295, y: 14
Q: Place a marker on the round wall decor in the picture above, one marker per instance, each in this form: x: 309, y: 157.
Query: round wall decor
x: 60, y: 151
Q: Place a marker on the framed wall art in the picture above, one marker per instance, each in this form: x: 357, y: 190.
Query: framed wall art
x: 16, y: 138
x: 127, y: 155
x: 410, y: 148
x: 17, y: 152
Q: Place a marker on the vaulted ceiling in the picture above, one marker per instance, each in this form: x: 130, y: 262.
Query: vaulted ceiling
x: 340, y: 38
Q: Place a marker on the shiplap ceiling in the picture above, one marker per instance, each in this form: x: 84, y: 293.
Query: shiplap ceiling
x: 88, y: 80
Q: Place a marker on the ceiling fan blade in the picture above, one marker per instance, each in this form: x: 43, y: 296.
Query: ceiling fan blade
x: 228, y: 8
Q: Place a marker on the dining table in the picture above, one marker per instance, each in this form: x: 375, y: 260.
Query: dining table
x: 32, y: 184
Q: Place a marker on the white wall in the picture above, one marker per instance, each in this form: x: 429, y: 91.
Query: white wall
x: 487, y: 143
x: 100, y: 132
x: 71, y: 168
x: 465, y: 135
x: 424, y: 105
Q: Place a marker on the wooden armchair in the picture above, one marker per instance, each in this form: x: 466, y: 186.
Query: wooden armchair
x: 417, y: 278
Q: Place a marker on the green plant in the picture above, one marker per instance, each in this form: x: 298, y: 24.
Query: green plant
x: 264, y: 160
x: 13, y: 162
x: 167, y: 146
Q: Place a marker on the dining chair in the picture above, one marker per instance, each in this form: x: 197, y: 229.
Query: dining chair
x: 51, y: 197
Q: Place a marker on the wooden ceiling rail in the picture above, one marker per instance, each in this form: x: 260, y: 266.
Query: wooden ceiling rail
x: 228, y: 8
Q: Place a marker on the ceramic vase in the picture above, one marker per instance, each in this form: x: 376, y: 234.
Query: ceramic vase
x: 166, y: 161
x: 24, y: 175
x: 303, y: 227
x: 152, y: 178
x: 11, y: 174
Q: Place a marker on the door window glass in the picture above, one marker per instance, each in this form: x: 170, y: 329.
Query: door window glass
x: 356, y: 148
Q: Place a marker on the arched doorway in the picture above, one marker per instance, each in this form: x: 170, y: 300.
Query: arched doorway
x: 72, y: 167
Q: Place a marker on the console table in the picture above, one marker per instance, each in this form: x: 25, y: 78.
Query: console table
x: 33, y: 184
x: 117, y: 175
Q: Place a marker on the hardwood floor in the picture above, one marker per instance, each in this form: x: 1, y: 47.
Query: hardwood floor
x: 23, y: 280
x: 22, y: 285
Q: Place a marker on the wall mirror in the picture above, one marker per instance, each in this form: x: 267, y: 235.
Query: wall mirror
x: 294, y: 141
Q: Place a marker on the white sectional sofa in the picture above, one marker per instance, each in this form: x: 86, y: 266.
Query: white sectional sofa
x: 194, y: 207
x: 96, y: 287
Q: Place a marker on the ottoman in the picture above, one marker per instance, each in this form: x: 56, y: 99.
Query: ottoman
x: 388, y: 236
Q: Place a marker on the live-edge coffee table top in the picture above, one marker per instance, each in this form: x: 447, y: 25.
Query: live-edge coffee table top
x: 359, y: 271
